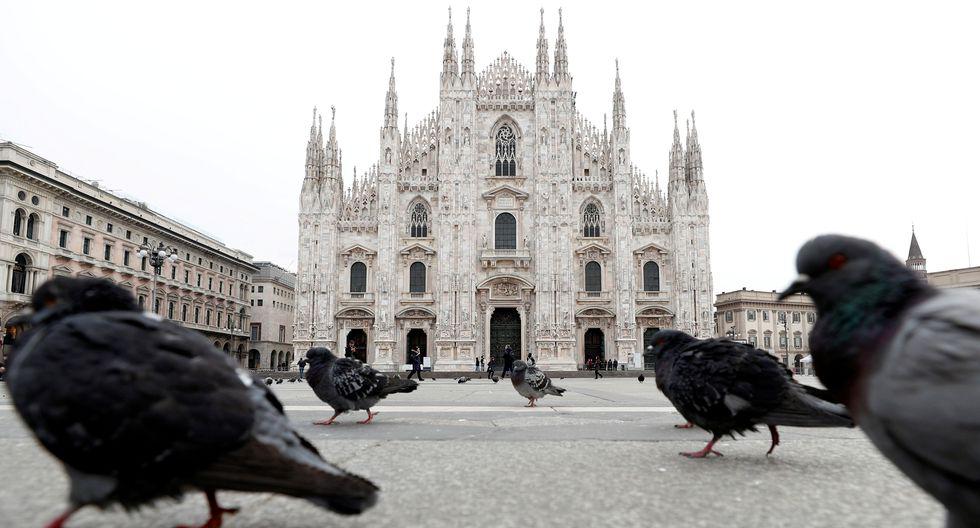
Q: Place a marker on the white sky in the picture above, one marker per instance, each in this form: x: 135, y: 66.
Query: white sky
x: 852, y: 117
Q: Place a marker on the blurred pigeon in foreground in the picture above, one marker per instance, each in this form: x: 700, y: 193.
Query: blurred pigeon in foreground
x: 726, y: 387
x: 640, y: 378
x: 905, y: 358
x: 462, y: 379
x: 495, y: 378
x: 532, y: 383
x: 346, y: 384
x: 144, y: 409
x: 278, y: 381
x: 269, y: 381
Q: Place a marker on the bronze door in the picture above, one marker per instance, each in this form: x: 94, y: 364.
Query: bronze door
x: 505, y: 329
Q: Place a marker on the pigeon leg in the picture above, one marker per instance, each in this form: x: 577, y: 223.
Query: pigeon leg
x: 328, y: 422
x: 775, y: 439
x: 704, y: 452
x: 370, y: 417
x: 60, y: 520
x: 687, y: 425
x: 530, y: 402
x: 216, y: 512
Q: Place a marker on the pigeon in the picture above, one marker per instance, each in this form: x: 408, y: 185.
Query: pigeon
x: 346, y: 384
x: 641, y: 378
x: 432, y: 379
x: 462, y: 379
x: 905, y: 359
x: 278, y: 381
x: 143, y: 409
x: 726, y: 387
x: 532, y: 383
x: 495, y: 378
x: 269, y: 381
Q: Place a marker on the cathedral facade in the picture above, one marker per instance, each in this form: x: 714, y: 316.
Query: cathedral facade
x: 504, y: 217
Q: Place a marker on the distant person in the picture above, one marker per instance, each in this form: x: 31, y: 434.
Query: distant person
x: 416, y: 359
x: 608, y: 364
x: 349, y: 351
x: 477, y: 365
x: 508, y: 361
x: 302, y: 366
x: 490, y: 366
x: 596, y: 366
x: 616, y: 364
x: 482, y: 361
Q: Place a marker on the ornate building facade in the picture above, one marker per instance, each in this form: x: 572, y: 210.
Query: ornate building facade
x: 502, y: 217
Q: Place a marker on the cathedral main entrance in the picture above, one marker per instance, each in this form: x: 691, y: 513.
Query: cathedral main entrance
x: 595, y: 346
x: 505, y: 329
x: 357, y: 345
x: 416, y: 338
x: 647, y: 347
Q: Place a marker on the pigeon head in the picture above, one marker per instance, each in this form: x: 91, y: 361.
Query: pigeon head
x: 317, y: 355
x: 668, y: 340
x: 62, y: 296
x: 519, y: 365
x: 833, y: 268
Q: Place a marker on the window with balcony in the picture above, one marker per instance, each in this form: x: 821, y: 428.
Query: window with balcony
x: 416, y: 278
x: 505, y: 232
x: 358, y: 277
x: 651, y: 276
x: 593, y: 278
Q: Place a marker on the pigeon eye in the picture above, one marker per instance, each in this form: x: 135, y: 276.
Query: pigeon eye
x: 836, y: 261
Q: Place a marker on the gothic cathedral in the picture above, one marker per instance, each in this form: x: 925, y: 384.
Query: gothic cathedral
x: 504, y: 217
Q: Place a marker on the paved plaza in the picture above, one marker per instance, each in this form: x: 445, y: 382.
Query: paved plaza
x: 606, y: 454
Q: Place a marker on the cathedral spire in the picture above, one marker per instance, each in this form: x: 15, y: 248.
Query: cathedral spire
x: 619, y: 105
x: 314, y: 148
x: 916, y: 262
x: 469, y: 63
x: 391, y: 102
x: 676, y: 155
x: 694, y: 152
x: 561, y: 54
x: 450, y: 64
x: 332, y: 153
x: 542, y: 71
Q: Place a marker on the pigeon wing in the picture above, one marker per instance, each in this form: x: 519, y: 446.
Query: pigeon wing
x: 125, y: 391
x: 925, y: 393
x: 355, y: 380
x: 537, y: 379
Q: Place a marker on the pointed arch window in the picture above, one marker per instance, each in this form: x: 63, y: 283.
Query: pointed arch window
x: 416, y: 278
x: 358, y: 277
x: 505, y: 232
x: 651, y: 276
x: 593, y: 277
x: 419, y: 221
x: 591, y: 221
x: 506, y: 158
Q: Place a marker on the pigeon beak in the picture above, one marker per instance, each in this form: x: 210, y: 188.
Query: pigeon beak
x: 798, y: 286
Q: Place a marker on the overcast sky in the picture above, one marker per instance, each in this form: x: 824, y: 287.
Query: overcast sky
x: 849, y: 117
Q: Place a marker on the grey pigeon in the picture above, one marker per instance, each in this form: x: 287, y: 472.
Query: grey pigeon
x: 144, y: 409
x: 532, y: 383
x: 905, y: 358
x: 346, y: 384
x: 269, y: 381
x: 495, y: 378
x: 726, y: 387
x: 278, y: 381
x: 462, y: 379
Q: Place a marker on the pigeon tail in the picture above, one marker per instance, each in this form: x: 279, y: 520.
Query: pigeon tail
x: 802, y: 409
x: 398, y: 385
x: 554, y: 391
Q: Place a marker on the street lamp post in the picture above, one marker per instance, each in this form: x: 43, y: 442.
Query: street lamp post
x: 732, y: 334
x: 157, y: 258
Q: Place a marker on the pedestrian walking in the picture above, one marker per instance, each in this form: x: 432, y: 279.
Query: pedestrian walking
x: 596, y: 367
x: 415, y: 356
x: 302, y: 366
x: 608, y: 364
x: 615, y: 363
x: 477, y: 365
x: 508, y: 361
x: 482, y: 362
x: 490, y: 366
